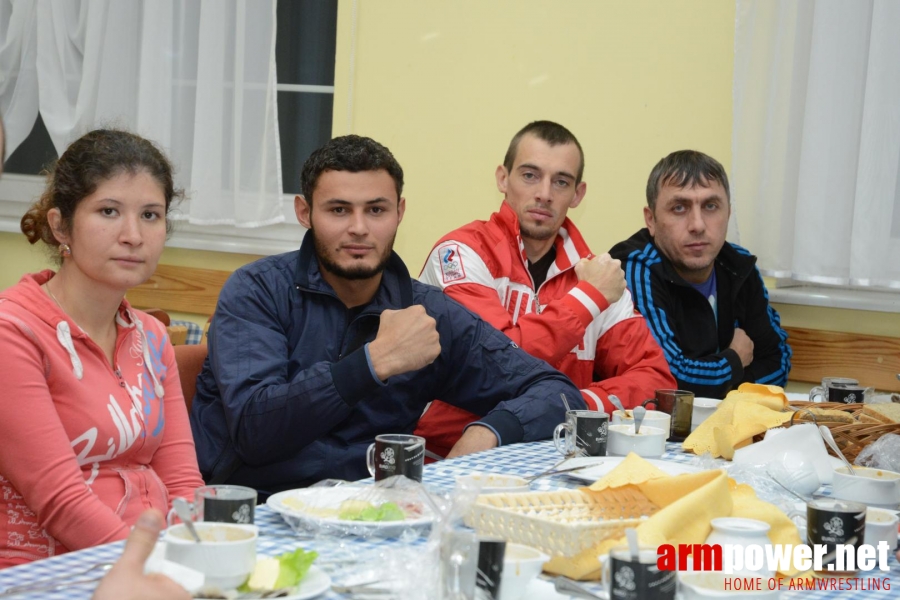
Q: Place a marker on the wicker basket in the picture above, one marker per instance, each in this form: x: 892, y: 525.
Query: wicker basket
x: 563, y: 522
x: 851, y: 438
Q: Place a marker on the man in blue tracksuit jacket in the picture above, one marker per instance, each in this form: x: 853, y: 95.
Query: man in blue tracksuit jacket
x: 315, y: 352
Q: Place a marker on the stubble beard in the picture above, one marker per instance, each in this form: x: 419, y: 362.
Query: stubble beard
x: 353, y: 273
x: 538, y: 234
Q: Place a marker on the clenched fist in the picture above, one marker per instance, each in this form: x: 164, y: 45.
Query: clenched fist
x: 407, y: 340
x: 604, y: 273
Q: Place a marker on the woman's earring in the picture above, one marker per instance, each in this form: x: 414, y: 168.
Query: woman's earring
x: 65, y: 250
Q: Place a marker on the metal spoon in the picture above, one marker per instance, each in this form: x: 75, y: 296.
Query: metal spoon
x: 639, y: 412
x: 566, y: 402
x: 183, y: 510
x: 829, y: 439
x: 616, y: 402
x: 564, y: 585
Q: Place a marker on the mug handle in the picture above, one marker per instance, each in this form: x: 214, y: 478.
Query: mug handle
x: 560, y: 438
x: 651, y: 400
x: 370, y: 459
x: 817, y: 391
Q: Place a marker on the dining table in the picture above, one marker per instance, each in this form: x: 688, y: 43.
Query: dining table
x: 346, y: 558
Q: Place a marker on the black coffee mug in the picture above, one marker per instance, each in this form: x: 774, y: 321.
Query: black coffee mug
x: 848, y: 394
x: 225, y: 503
x: 490, y: 567
x: 830, y: 522
x: 630, y: 579
x: 584, y: 431
x: 396, y: 454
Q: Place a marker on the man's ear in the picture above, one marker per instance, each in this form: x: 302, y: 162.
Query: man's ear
x: 401, y: 210
x: 580, y: 191
x: 55, y: 220
x: 649, y: 220
x: 502, y: 176
x: 303, y: 211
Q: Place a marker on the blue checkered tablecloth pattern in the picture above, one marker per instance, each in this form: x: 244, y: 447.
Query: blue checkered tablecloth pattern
x: 194, y: 331
x: 340, y: 557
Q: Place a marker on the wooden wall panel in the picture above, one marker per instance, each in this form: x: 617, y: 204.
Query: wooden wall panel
x: 180, y: 289
x: 873, y: 360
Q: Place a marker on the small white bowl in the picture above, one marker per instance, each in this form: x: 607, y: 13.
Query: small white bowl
x: 649, y: 443
x: 872, y: 487
x: 703, y: 408
x: 653, y: 418
x: 226, y: 555
x: 495, y: 483
x: 521, y: 564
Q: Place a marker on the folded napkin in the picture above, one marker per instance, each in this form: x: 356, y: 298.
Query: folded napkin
x: 750, y: 410
x: 687, y: 503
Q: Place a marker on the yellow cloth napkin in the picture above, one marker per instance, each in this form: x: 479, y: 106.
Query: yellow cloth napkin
x: 747, y: 411
x: 687, y: 505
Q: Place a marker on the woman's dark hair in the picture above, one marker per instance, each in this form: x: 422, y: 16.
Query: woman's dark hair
x: 95, y: 157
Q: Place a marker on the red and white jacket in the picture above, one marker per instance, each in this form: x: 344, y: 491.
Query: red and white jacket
x: 603, y: 348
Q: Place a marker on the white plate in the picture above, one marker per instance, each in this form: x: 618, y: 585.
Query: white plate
x: 315, y: 583
x: 332, y: 498
x: 601, y: 465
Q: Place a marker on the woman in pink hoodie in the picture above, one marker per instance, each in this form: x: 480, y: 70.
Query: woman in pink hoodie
x: 93, y: 426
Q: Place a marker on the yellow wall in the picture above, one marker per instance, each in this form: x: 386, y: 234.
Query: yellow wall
x: 446, y: 84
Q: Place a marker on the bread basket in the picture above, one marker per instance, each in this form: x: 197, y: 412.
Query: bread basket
x: 851, y: 438
x: 563, y: 522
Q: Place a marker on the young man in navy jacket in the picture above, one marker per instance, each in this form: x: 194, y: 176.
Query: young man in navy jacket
x: 314, y: 352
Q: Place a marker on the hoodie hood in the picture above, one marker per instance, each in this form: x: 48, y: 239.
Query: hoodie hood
x: 29, y: 295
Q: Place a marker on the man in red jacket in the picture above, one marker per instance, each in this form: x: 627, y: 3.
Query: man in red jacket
x: 529, y: 273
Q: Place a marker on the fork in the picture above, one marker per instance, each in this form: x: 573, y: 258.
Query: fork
x: 555, y: 470
x: 52, y: 583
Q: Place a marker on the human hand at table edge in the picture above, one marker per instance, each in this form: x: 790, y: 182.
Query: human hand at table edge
x: 743, y: 345
x: 475, y: 439
x: 126, y: 580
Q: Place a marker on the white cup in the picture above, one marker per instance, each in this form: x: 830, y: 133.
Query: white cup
x: 521, y: 565
x: 703, y: 409
x: 226, y: 555
x: 872, y: 487
x: 652, y: 418
x: 881, y: 525
x: 650, y: 442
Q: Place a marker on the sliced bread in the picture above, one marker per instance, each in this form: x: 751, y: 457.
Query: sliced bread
x: 883, y: 413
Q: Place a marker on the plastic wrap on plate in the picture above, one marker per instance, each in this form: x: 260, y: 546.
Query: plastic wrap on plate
x: 409, y: 567
x: 394, y: 507
x: 883, y: 453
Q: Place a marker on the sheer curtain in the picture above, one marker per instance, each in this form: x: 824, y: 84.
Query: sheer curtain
x: 816, y: 139
x: 197, y: 76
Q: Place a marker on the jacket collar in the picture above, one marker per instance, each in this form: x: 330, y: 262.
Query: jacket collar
x: 570, y: 246
x: 396, y: 284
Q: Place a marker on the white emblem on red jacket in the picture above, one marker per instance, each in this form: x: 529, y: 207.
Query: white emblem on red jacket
x: 451, y: 264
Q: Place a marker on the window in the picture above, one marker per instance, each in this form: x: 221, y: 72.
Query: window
x: 305, y: 46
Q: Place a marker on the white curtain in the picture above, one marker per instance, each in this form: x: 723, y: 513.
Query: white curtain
x: 816, y: 139
x: 196, y: 76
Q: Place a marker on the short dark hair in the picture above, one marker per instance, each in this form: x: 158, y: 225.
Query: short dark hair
x: 550, y: 132
x: 95, y: 157
x: 352, y: 153
x: 685, y: 168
